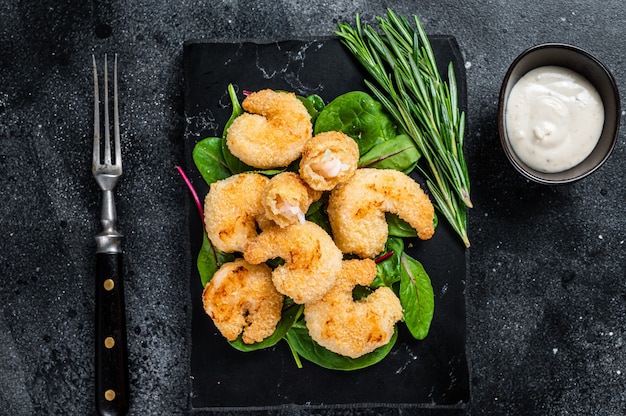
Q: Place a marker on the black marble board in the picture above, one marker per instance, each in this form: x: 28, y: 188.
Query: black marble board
x: 428, y: 373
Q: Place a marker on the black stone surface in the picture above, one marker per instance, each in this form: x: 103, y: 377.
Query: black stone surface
x: 434, y: 372
x: 546, y: 296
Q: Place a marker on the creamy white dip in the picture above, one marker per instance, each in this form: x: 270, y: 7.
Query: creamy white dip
x: 554, y: 118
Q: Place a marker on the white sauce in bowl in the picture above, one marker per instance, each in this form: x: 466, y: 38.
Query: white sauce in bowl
x: 554, y: 118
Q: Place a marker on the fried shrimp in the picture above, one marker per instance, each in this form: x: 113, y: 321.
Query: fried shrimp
x: 312, y: 260
x: 356, y: 210
x: 231, y: 210
x: 272, y: 131
x: 348, y: 327
x: 287, y: 198
x: 241, y: 299
x: 328, y: 158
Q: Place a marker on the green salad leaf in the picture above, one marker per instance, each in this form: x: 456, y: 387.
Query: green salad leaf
x: 399, y: 153
x: 291, y: 313
x: 388, y: 270
x: 237, y: 110
x: 317, y: 214
x: 313, y: 104
x: 209, y: 159
x: 398, y: 227
x: 359, y: 116
x: 210, y: 259
x: 417, y: 297
x: 301, y: 342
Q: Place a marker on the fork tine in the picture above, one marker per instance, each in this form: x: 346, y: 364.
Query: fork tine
x: 102, y: 157
x: 116, y: 119
x: 96, y: 117
x: 107, y: 133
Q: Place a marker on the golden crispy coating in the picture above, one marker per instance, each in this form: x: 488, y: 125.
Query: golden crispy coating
x: 312, y: 260
x: 241, y: 298
x: 348, y: 327
x: 328, y: 158
x: 356, y: 210
x: 231, y: 210
x: 273, y: 130
x: 287, y: 199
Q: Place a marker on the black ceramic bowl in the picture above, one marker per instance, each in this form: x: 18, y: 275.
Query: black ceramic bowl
x: 597, y: 74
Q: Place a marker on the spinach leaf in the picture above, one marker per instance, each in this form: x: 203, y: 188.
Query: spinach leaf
x: 398, y: 227
x: 208, y: 158
x: 399, y: 153
x: 417, y: 297
x: 237, y: 110
x: 210, y: 259
x: 359, y: 116
x: 313, y: 104
x: 317, y: 101
x: 359, y: 292
x: 388, y: 270
x: 291, y: 313
x: 317, y: 213
x: 235, y: 165
x: 300, y: 341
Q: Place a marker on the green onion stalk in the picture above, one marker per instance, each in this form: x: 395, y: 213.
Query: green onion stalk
x: 407, y: 82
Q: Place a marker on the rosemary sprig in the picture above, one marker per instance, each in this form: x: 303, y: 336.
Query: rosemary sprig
x: 401, y: 62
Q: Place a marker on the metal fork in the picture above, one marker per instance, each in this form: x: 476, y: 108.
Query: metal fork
x: 112, y: 390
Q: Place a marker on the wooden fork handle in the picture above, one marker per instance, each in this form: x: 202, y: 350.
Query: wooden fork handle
x: 112, y: 396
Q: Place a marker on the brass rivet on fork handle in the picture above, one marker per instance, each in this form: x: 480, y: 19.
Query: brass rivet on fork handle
x: 111, y: 363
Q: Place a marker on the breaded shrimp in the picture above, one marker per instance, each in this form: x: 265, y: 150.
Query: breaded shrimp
x: 241, y: 298
x: 272, y: 131
x: 231, y: 210
x: 356, y: 210
x: 287, y: 198
x: 312, y: 260
x: 328, y: 158
x: 348, y: 327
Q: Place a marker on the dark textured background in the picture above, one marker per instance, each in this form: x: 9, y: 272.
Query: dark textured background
x: 546, y: 296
